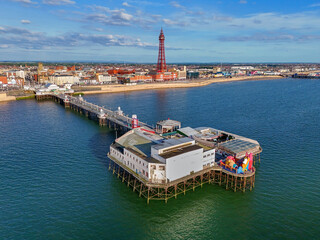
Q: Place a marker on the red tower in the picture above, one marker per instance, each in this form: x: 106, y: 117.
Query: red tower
x: 161, y: 66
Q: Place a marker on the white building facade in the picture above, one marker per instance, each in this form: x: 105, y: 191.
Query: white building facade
x: 63, y: 79
x: 163, y: 162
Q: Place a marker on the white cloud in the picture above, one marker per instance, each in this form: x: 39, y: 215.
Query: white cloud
x: 24, y: 21
x: 168, y: 21
x: 119, y: 17
x: 243, y: 2
x: 315, y: 5
x: 177, y: 5
x: 24, y: 1
x: 125, y: 4
x: 25, y: 39
x: 58, y: 2
x: 4, y: 46
x: 116, y: 18
x: 270, y: 37
x: 271, y: 21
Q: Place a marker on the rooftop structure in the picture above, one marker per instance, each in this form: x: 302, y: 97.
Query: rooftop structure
x: 224, y: 142
x: 167, y: 126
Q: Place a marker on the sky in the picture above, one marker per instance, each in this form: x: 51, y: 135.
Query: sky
x: 207, y: 31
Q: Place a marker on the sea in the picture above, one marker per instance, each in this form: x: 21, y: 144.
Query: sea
x: 55, y: 183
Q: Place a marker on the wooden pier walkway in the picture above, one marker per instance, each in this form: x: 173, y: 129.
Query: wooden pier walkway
x: 105, y: 117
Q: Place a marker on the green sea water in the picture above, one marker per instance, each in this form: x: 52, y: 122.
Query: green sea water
x: 55, y: 183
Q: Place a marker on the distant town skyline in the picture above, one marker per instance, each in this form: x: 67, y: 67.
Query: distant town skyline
x: 195, y: 31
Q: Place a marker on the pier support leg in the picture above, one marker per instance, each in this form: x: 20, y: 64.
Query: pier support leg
x: 140, y: 190
x: 134, y: 186
x: 129, y: 179
x: 148, y: 195
x: 184, y: 187
x: 193, y: 184
x: 175, y: 191
x: 214, y: 176
x: 254, y: 179
x: 166, y: 195
x: 227, y: 181
x: 235, y: 185
x: 123, y: 176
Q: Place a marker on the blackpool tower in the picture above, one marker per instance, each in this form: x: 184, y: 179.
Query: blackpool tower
x: 161, y: 66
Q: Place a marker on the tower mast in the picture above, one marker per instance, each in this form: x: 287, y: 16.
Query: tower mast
x: 161, y: 66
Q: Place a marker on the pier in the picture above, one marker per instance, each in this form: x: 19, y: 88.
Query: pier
x: 105, y: 117
x: 215, y: 173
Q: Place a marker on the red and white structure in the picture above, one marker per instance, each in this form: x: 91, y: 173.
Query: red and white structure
x: 161, y: 66
x: 162, y: 74
x: 134, y: 121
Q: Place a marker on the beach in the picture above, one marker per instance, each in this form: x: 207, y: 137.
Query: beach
x: 166, y: 85
x: 149, y: 86
x: 5, y: 98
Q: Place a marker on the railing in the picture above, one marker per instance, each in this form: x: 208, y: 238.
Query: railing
x: 109, y: 114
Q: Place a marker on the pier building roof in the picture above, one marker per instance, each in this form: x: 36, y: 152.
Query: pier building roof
x: 240, y: 147
x: 172, y: 142
x: 169, y: 122
x: 147, y: 158
x: 188, y: 131
x: 179, y: 151
x: 139, y: 142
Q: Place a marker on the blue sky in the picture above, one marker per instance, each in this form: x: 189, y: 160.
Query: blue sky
x: 196, y: 31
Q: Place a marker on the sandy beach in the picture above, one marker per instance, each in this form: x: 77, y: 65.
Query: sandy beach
x: 166, y: 85
x: 5, y: 98
x: 140, y: 87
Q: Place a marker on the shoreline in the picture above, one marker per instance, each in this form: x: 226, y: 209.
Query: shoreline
x: 5, y: 98
x: 152, y: 86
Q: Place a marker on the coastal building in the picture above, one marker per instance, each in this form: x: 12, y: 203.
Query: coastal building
x: 164, y: 76
x: 61, y: 79
x: 140, y: 78
x: 104, y: 78
x: 3, y: 79
x: 158, y: 160
x: 182, y: 74
x: 193, y: 74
